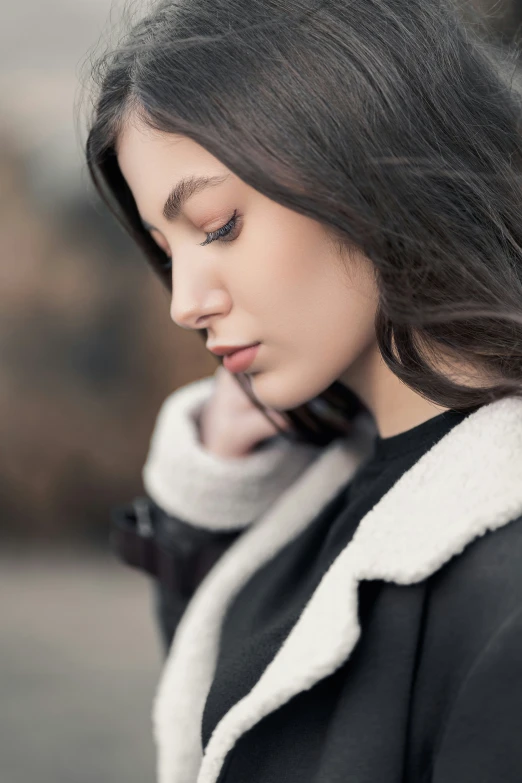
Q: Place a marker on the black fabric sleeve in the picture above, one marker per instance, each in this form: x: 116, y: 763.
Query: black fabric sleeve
x: 482, y: 739
x: 177, y: 554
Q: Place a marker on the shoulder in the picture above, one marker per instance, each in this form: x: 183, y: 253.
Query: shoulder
x: 467, y: 602
x: 487, y: 573
x: 468, y: 694
x: 471, y: 595
x: 480, y: 594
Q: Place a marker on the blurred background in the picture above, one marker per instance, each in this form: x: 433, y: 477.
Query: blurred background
x: 87, y: 355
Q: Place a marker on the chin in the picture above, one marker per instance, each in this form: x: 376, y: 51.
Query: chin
x: 274, y: 391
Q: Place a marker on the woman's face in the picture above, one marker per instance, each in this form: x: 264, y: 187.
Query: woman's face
x: 270, y: 276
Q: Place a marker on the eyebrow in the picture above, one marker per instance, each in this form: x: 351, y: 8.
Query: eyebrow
x: 182, y: 191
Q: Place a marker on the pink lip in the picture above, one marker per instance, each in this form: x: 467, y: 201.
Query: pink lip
x: 240, y: 361
x: 223, y: 350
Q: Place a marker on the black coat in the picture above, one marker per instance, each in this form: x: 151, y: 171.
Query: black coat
x: 406, y: 665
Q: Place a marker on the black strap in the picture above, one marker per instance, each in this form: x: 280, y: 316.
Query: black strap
x: 177, y: 554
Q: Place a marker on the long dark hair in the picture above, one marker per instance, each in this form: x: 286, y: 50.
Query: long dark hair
x: 388, y: 121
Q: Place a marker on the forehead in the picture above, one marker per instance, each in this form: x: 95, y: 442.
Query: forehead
x: 152, y: 161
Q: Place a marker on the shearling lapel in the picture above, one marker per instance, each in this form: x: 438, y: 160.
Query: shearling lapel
x: 467, y: 484
x: 190, y: 666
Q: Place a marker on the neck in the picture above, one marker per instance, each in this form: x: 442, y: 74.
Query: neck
x: 394, y: 406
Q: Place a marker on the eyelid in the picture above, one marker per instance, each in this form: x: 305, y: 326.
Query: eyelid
x: 213, y: 236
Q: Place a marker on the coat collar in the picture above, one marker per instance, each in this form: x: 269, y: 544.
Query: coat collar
x: 467, y: 484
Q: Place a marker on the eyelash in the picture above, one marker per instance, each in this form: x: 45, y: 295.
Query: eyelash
x: 221, y: 232
x: 225, y: 230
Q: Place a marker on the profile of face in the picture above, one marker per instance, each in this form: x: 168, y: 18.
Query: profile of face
x: 250, y: 270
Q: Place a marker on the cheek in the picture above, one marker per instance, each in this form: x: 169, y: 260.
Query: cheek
x: 290, y: 278
x: 282, y: 250
x: 330, y: 310
x: 269, y: 280
x: 317, y: 323
x: 289, y: 268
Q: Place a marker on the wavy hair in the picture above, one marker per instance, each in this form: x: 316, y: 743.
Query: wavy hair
x: 388, y: 121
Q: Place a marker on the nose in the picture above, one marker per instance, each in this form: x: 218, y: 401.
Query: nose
x: 195, y: 302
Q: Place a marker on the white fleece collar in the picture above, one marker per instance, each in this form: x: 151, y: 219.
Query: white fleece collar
x: 468, y: 483
x: 190, y: 482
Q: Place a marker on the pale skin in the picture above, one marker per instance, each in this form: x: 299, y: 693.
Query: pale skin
x: 271, y: 276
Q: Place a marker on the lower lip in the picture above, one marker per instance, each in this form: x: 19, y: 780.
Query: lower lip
x: 239, y: 361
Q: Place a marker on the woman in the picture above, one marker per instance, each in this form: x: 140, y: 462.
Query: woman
x: 331, y: 191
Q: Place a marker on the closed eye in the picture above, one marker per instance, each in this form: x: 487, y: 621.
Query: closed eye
x: 229, y: 230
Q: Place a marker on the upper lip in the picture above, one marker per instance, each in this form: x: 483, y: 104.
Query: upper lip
x: 224, y: 350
